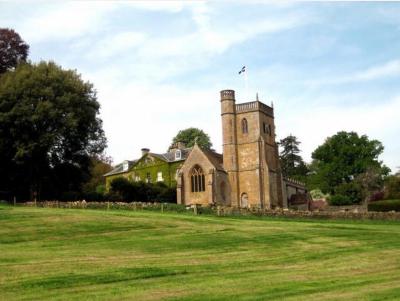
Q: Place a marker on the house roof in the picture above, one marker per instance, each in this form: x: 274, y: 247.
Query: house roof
x: 119, y: 168
x: 170, y: 156
x: 167, y: 157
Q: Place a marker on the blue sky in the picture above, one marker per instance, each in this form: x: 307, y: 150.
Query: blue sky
x: 159, y: 66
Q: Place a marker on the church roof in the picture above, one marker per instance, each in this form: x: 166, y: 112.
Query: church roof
x: 215, y: 159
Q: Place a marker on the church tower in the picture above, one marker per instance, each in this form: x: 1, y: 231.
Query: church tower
x: 229, y: 143
x: 250, y: 153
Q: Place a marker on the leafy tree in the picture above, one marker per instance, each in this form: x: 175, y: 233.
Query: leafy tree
x: 191, y: 135
x: 99, y: 165
x: 392, y: 187
x: 340, y: 164
x: 13, y: 50
x: 291, y: 162
x: 49, y: 129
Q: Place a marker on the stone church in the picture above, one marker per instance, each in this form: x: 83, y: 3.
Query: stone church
x: 248, y: 173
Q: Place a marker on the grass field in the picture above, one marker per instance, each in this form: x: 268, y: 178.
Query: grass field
x: 61, y: 254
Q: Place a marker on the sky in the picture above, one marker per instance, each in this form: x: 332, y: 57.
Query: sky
x: 158, y: 66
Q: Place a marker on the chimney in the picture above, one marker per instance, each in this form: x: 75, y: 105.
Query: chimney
x: 145, y: 151
x: 180, y: 145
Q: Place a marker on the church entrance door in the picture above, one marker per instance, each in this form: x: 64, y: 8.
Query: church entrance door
x: 244, y: 201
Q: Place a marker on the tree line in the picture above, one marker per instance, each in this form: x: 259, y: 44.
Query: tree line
x: 52, y: 142
x: 345, y: 168
x: 51, y: 135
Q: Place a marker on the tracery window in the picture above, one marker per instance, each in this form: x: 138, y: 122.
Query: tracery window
x: 198, y: 179
x: 244, y: 126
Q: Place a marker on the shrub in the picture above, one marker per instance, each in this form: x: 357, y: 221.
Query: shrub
x: 352, y: 191
x: 317, y: 194
x: 93, y: 197
x: 340, y: 200
x: 70, y: 196
x: 384, y: 206
x: 142, y: 192
x: 392, y: 187
x: 377, y: 196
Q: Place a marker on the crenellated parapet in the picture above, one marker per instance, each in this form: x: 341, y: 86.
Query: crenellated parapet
x: 255, y: 106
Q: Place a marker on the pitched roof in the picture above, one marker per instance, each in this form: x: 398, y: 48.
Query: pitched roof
x: 170, y: 156
x: 215, y: 159
x: 167, y: 157
x: 119, y: 168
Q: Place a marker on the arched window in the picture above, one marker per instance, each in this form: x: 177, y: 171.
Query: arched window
x: 198, y: 179
x: 244, y: 126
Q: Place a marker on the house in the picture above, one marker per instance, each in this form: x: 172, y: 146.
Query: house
x: 151, y: 167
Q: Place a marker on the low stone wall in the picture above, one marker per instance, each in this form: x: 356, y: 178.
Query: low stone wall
x: 221, y: 210
x: 354, y: 215
x: 107, y: 205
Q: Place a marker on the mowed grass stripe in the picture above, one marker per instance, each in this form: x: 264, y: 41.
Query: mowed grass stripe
x: 62, y: 254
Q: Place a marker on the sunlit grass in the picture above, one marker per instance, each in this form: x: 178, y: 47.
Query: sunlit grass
x: 64, y: 254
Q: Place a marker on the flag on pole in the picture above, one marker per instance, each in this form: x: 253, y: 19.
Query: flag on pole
x: 242, y: 70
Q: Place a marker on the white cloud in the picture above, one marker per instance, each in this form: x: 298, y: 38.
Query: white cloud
x: 388, y: 69
x: 391, y: 68
x: 312, y: 125
x: 62, y: 21
x: 113, y: 45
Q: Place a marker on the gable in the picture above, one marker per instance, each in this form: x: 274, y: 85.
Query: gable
x: 147, y: 161
x: 198, y: 157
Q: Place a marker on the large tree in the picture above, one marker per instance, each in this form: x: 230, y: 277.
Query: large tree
x: 348, y: 164
x: 191, y: 135
x: 49, y: 129
x: 13, y: 50
x: 291, y: 162
x: 99, y: 165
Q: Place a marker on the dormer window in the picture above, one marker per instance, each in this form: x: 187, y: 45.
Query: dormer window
x: 125, y: 166
x: 178, y: 154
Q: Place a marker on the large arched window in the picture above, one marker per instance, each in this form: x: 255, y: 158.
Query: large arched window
x: 244, y: 126
x: 198, y: 179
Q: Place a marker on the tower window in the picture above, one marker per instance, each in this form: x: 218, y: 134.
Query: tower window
x: 148, y: 178
x: 198, y: 179
x: 245, y: 129
x: 267, y: 128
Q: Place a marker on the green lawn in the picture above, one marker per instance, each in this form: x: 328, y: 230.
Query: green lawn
x: 65, y: 254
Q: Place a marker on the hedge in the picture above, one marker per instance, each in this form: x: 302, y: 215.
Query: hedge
x: 384, y: 206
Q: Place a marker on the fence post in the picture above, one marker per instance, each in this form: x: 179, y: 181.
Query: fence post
x: 15, y: 201
x: 108, y: 205
x: 219, y: 210
x: 195, y: 209
x: 162, y: 207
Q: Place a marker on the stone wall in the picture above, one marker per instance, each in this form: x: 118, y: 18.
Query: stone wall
x: 220, y: 210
